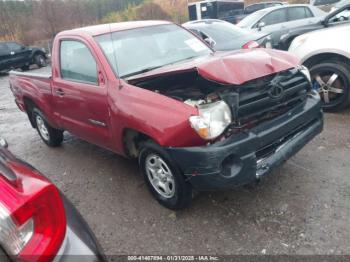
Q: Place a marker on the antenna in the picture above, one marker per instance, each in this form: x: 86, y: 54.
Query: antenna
x: 114, y: 56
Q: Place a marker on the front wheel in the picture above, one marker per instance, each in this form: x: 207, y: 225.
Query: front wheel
x: 164, y: 180
x: 332, y: 80
x: 51, y: 136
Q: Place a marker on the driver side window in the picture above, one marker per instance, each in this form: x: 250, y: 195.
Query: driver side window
x: 77, y: 62
x: 275, y: 17
x: 14, y: 46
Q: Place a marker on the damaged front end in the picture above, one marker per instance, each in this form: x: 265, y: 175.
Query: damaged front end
x: 249, y: 128
x: 228, y: 109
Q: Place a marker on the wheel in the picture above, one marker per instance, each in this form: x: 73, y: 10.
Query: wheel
x: 40, y: 60
x: 165, y: 181
x: 332, y: 80
x: 25, y: 68
x: 51, y: 136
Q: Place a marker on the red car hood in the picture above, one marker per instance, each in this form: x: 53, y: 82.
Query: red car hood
x: 236, y: 67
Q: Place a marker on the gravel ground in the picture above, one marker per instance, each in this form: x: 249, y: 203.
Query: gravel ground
x: 302, y: 208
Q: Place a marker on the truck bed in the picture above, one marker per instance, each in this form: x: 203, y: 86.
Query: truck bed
x: 33, y: 86
x: 30, y: 75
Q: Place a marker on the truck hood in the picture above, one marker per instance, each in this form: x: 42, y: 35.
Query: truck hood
x: 236, y: 67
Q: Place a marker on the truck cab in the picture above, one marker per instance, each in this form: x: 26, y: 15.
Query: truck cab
x: 14, y: 55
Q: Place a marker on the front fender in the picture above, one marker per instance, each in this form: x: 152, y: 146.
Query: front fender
x: 163, y: 119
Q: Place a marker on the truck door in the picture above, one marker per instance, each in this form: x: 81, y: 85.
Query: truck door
x: 20, y: 55
x: 4, y: 57
x: 80, y: 93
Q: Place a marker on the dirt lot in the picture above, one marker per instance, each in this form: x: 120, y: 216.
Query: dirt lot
x: 302, y: 208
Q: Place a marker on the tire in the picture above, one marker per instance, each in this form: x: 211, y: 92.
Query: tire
x: 25, y: 68
x: 332, y: 80
x: 40, y: 60
x: 51, y: 136
x: 179, y: 193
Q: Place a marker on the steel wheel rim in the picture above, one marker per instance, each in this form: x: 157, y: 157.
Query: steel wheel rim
x: 42, y: 61
x: 330, y: 85
x: 42, y: 128
x: 160, y: 176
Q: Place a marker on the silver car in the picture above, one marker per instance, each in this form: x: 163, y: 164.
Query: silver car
x: 278, y: 20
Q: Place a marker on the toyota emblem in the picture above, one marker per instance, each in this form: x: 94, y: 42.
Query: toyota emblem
x: 276, y: 91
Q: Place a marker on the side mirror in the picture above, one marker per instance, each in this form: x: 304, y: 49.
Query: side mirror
x: 3, y: 143
x: 23, y: 47
x: 325, y: 22
x: 261, y: 25
x: 210, y: 42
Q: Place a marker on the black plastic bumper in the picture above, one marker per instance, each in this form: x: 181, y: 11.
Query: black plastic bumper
x: 245, y: 157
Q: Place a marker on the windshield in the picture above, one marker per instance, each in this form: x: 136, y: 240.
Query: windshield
x: 136, y: 51
x: 250, y: 20
x: 221, y: 31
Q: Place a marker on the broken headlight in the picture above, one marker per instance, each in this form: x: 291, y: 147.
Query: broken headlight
x: 305, y: 71
x: 212, y: 121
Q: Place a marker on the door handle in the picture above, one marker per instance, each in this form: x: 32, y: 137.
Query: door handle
x: 59, y: 92
x: 97, y: 123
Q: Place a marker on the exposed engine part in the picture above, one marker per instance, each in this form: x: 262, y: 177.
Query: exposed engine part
x: 195, y: 103
x: 251, y: 103
x: 183, y: 86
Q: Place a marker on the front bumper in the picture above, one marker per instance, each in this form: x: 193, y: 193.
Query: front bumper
x: 245, y: 157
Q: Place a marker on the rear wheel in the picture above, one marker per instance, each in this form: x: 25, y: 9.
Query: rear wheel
x: 40, y: 60
x: 25, y: 68
x: 51, y: 136
x: 332, y: 80
x: 163, y: 178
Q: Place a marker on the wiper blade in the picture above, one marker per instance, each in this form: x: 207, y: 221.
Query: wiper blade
x: 145, y: 70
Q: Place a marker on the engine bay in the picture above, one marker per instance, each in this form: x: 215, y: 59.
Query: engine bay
x: 188, y: 87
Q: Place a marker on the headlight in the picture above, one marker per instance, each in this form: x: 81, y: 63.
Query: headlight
x: 212, y: 120
x: 305, y: 71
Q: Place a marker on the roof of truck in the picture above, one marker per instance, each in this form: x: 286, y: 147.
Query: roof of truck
x: 106, y: 28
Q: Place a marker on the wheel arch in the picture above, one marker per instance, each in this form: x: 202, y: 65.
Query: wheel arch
x: 38, y: 52
x: 321, y: 57
x: 29, y: 105
x: 132, y: 140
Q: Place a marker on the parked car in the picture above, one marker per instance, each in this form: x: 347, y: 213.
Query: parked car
x: 227, y: 10
x: 327, y: 53
x: 279, y: 20
x: 14, y: 55
x: 37, y: 223
x: 336, y: 18
x: 224, y: 36
x: 256, y: 7
x: 340, y: 4
x: 194, y: 118
x: 325, y: 5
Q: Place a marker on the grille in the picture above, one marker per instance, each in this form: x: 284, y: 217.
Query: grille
x: 259, y: 99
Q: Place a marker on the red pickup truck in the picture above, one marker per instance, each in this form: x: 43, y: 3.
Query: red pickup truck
x: 196, y: 119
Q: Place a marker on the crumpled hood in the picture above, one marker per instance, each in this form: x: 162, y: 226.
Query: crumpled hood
x: 236, y: 67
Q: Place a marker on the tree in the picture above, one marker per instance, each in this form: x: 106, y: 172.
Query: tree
x: 151, y: 11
